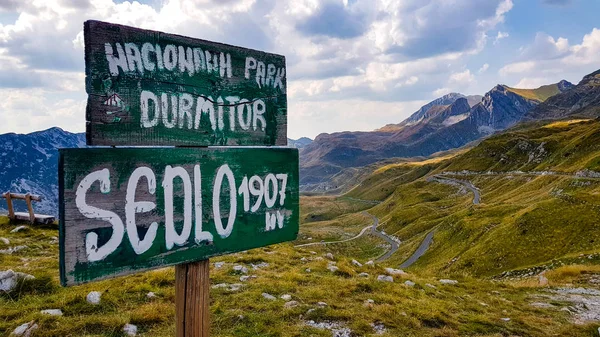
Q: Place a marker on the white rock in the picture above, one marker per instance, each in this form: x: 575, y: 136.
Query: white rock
x: 313, y: 252
x: 235, y: 287
x: 393, y: 271
x: 363, y: 275
x: 244, y: 278
x: 332, y: 268
x: 543, y: 280
x: 240, y: 269
x: 505, y: 319
x: 269, y: 297
x: 220, y: 286
x: 5, y: 241
x: 356, y: 263
x: 52, y: 312
x: 385, y: 278
x: 150, y: 295
x: 18, y: 229
x: 130, y: 329
x: 321, y: 304
x: 303, y: 259
x: 93, y: 297
x: 259, y: 266
x: 444, y: 281
x: 290, y: 304
x: 9, y: 279
x: 369, y: 263
x: 329, y: 256
x: 286, y: 297
x: 307, y: 270
x: 430, y: 285
x: 25, y: 329
x: 409, y: 283
x: 219, y: 264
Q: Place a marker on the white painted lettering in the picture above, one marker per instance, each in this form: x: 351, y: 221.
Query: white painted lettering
x: 170, y: 57
x: 132, y: 207
x: 258, y: 110
x: 145, y: 99
x: 186, y: 102
x: 114, y: 63
x: 93, y: 251
x: 186, y: 60
x: 171, y: 236
x: 224, y: 171
x: 146, y: 49
x: 134, y: 57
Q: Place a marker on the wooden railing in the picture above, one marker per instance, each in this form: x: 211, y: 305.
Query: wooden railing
x: 30, y: 216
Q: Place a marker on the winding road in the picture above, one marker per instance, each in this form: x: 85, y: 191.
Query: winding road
x: 429, y: 237
x: 455, y: 182
x: 419, y: 252
x: 395, y: 245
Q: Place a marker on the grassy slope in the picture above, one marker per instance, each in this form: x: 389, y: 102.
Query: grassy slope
x: 523, y: 221
x: 472, y: 308
x: 539, y: 94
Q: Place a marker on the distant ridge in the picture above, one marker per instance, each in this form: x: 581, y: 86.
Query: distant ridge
x: 30, y: 164
x: 445, y: 123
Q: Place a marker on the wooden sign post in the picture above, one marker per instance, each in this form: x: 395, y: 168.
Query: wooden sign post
x: 126, y: 210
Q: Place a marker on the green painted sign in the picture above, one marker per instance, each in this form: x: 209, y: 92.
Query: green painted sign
x: 153, y: 88
x: 124, y: 210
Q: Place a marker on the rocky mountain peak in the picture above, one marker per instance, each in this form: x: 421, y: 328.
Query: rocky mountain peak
x: 564, y: 85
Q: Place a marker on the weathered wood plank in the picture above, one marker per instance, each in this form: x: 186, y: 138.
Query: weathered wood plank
x: 124, y: 210
x: 152, y: 88
x: 21, y: 196
x: 192, y: 299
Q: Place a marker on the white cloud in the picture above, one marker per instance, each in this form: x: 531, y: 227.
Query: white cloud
x: 500, y: 36
x: 483, y: 68
x: 549, y: 60
x: 462, y: 78
x: 395, y: 51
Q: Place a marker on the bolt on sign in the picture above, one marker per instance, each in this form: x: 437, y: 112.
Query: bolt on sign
x: 125, y: 210
x: 152, y: 88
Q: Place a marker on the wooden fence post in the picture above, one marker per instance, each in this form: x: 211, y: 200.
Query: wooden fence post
x: 192, y: 299
x: 30, y: 208
x: 11, y: 211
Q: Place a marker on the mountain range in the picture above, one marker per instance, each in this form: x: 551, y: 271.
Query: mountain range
x: 446, y: 123
x: 30, y: 165
x: 30, y: 162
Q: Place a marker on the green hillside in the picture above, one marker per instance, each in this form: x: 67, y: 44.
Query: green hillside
x: 539, y: 94
x: 537, y: 206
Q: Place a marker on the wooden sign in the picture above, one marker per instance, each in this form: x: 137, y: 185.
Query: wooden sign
x: 125, y: 210
x: 152, y: 88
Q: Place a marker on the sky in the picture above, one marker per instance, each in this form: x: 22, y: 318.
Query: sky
x: 351, y: 64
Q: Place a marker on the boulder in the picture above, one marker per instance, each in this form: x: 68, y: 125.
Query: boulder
x: 290, y: 304
x: 332, y: 268
x: 369, y: 263
x: 5, y: 241
x: 286, y: 297
x: 363, y: 275
x: 219, y: 264
x: 329, y: 256
x: 18, y: 229
x: 9, y: 280
x: 356, y: 263
x: 269, y: 297
x: 240, y: 269
x: 130, y: 329
x: 444, y: 281
x: 52, y: 312
x: 150, y: 295
x: 398, y: 272
x: 385, y: 278
x: 93, y: 297
x: 25, y: 329
x: 409, y: 283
